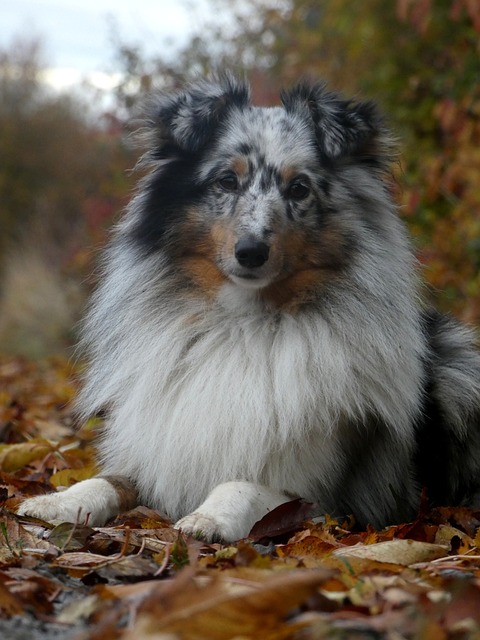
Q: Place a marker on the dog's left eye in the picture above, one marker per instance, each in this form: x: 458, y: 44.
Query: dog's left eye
x: 297, y: 190
x: 228, y: 182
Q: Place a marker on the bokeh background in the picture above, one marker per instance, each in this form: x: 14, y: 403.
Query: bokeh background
x: 72, y: 75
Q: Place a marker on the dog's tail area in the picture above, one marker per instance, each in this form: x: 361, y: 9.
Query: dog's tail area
x: 449, y: 433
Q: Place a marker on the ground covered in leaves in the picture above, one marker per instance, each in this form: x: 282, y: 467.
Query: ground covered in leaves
x: 139, y: 579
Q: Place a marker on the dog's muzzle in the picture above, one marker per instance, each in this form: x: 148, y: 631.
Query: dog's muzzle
x: 251, y: 253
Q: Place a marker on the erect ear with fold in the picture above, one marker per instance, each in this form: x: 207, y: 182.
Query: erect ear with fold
x: 342, y: 128
x: 185, y: 120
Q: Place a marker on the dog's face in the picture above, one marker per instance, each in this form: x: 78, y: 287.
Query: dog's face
x: 261, y: 210
x: 243, y: 194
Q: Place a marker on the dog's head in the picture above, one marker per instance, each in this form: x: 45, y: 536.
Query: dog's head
x: 267, y: 198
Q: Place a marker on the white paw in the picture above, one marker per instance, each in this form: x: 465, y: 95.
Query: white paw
x: 92, y: 501
x: 230, y: 511
x: 208, y: 528
x: 53, y: 506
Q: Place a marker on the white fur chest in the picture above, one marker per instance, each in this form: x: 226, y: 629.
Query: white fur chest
x: 235, y: 394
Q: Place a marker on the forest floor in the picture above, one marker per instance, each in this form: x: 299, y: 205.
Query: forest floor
x: 139, y: 579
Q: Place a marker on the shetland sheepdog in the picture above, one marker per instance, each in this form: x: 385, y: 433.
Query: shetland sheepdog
x: 259, y: 335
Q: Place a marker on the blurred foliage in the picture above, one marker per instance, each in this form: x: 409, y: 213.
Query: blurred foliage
x: 54, y: 160
x: 62, y: 177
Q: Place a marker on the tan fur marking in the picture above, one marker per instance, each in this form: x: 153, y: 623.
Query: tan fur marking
x: 291, y: 293
x: 126, y: 492
x: 308, y: 265
x: 240, y: 166
x: 223, y: 239
x: 199, y: 263
x: 288, y: 174
x: 204, y: 273
x: 298, y: 285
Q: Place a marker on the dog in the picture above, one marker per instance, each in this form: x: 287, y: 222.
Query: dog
x: 259, y: 332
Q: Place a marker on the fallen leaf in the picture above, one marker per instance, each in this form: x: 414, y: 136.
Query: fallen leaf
x: 283, y: 519
x: 456, y: 540
x: 34, y: 590
x: 402, y: 552
x: 67, y: 536
x: 308, y: 547
x: 10, y: 605
x: 142, y: 518
x: 128, y: 567
x: 468, y: 520
x: 82, y: 560
x: 67, y: 477
x: 78, y: 610
x: 15, y: 541
x: 222, y: 609
x: 16, y: 456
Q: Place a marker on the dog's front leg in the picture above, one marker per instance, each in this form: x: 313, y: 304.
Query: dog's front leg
x: 230, y: 511
x: 94, y: 501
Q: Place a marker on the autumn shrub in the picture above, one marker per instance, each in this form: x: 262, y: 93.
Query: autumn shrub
x: 62, y: 178
x: 40, y: 305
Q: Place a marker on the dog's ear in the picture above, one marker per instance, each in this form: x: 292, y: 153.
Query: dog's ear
x: 343, y: 129
x: 186, y: 120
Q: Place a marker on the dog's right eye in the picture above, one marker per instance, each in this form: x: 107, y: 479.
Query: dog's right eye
x: 228, y: 182
x: 298, y: 190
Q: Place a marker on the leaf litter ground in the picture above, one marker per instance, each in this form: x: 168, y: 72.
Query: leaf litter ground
x: 139, y: 579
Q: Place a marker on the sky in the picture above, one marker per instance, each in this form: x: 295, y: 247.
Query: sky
x: 76, y: 33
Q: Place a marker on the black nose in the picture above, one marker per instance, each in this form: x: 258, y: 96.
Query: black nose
x: 251, y: 253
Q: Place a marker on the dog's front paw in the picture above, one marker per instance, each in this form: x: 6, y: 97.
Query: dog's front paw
x: 92, y: 501
x: 230, y: 511
x: 207, y: 527
x: 52, y: 506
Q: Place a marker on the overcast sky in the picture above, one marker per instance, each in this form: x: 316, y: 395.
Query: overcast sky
x: 76, y: 32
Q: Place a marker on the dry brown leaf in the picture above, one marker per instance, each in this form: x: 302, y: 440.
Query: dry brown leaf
x: 10, y: 605
x: 154, y: 540
x: 68, y: 536
x: 309, y: 546
x: 15, y: 541
x: 142, y: 518
x: 467, y: 520
x: 402, y: 552
x: 283, y: 519
x: 224, y: 608
x: 128, y: 567
x: 226, y: 591
x: 82, y: 560
x: 457, y: 541
x: 34, y: 590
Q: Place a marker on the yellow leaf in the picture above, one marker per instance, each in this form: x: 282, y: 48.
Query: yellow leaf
x: 67, y: 477
x: 16, y: 456
x: 477, y: 538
